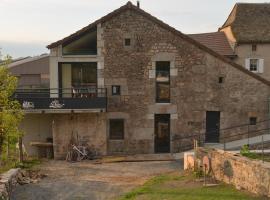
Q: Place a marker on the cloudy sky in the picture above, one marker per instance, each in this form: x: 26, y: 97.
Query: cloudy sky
x: 27, y: 26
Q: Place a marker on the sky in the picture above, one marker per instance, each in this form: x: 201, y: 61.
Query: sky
x: 28, y: 26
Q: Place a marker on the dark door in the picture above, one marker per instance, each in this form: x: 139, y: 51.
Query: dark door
x: 162, y: 133
x: 212, y: 126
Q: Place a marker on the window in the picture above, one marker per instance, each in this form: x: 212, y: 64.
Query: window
x: 84, y: 74
x: 116, y: 90
x: 253, y: 65
x: 116, y: 129
x: 127, y: 42
x: 220, y: 80
x: 84, y: 45
x: 254, y: 47
x: 253, y: 120
x: 163, y: 82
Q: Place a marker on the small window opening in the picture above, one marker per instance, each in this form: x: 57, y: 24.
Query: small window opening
x: 254, y: 63
x: 252, y: 120
x: 116, y: 90
x: 127, y: 42
x: 254, y: 47
x: 220, y: 80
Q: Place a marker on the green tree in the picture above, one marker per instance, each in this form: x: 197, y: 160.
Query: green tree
x: 10, y: 110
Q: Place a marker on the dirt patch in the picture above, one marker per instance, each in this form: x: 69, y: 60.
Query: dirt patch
x: 85, y: 180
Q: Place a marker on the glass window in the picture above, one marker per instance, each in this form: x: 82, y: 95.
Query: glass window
x: 162, y: 82
x: 127, y: 42
x: 253, y: 120
x: 84, y: 45
x: 116, y: 129
x: 116, y: 90
x: 84, y: 74
x: 253, y: 66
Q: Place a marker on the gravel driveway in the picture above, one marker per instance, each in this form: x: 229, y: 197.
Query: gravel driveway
x: 85, y: 180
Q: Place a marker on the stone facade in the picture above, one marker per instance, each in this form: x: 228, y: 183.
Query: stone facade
x: 194, y: 87
x: 243, y: 173
x: 194, y: 83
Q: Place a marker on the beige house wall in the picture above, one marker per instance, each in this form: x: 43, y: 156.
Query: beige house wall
x: 244, y: 51
x: 36, y: 128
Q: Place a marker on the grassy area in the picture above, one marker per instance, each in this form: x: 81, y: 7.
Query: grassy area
x: 174, y: 187
x: 27, y: 164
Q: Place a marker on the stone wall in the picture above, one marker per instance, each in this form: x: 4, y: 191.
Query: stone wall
x: 242, y: 172
x: 87, y: 128
x: 194, y: 83
x: 194, y: 88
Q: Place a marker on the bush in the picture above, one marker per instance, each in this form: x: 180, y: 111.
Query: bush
x: 245, y: 151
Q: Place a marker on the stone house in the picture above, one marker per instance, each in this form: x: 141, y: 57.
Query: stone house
x: 247, y: 32
x: 129, y: 83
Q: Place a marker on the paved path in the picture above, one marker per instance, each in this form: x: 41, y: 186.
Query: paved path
x: 239, y: 143
x: 70, y: 181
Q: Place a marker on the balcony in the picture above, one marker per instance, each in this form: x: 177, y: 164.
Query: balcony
x: 64, y: 100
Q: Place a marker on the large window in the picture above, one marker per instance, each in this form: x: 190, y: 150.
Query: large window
x: 78, y: 79
x: 116, y: 129
x: 163, y: 82
x: 84, y: 74
x: 85, y: 45
x: 254, y: 65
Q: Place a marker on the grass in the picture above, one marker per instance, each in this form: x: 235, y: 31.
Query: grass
x: 27, y: 164
x: 180, y: 187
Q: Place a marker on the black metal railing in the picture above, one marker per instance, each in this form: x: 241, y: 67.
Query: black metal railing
x: 62, y: 98
x: 227, y: 135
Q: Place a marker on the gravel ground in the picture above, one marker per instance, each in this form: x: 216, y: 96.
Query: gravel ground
x: 85, y: 180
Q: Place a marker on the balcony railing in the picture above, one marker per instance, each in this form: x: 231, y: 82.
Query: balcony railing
x: 84, y: 98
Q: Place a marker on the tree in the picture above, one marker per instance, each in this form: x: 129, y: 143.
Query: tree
x: 10, y: 110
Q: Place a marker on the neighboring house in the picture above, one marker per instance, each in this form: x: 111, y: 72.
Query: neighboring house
x: 217, y: 41
x: 32, y: 72
x: 129, y: 83
x: 248, y: 32
x: 247, y: 28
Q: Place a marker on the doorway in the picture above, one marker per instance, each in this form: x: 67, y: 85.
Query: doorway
x: 162, y: 133
x: 212, y: 127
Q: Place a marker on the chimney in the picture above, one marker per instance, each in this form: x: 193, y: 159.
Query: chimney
x: 138, y: 4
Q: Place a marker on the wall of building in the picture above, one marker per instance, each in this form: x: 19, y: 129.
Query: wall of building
x: 29, y: 67
x: 36, y: 128
x: 244, y: 51
x: 194, y: 84
x: 57, y: 57
x: 90, y: 129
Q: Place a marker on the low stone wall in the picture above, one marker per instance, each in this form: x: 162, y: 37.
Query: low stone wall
x: 243, y: 173
x: 8, y: 181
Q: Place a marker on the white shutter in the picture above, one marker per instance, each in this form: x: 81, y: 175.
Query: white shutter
x: 247, y: 63
x: 261, y: 65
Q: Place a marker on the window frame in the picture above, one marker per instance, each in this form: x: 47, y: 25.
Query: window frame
x: 251, y: 122
x: 257, y: 64
x: 116, y: 94
x: 129, y: 42
x: 112, y: 136
x: 254, y: 47
x: 167, y: 83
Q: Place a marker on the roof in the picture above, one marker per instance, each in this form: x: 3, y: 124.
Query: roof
x: 26, y: 60
x: 216, y: 41
x: 130, y: 6
x: 250, y: 22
